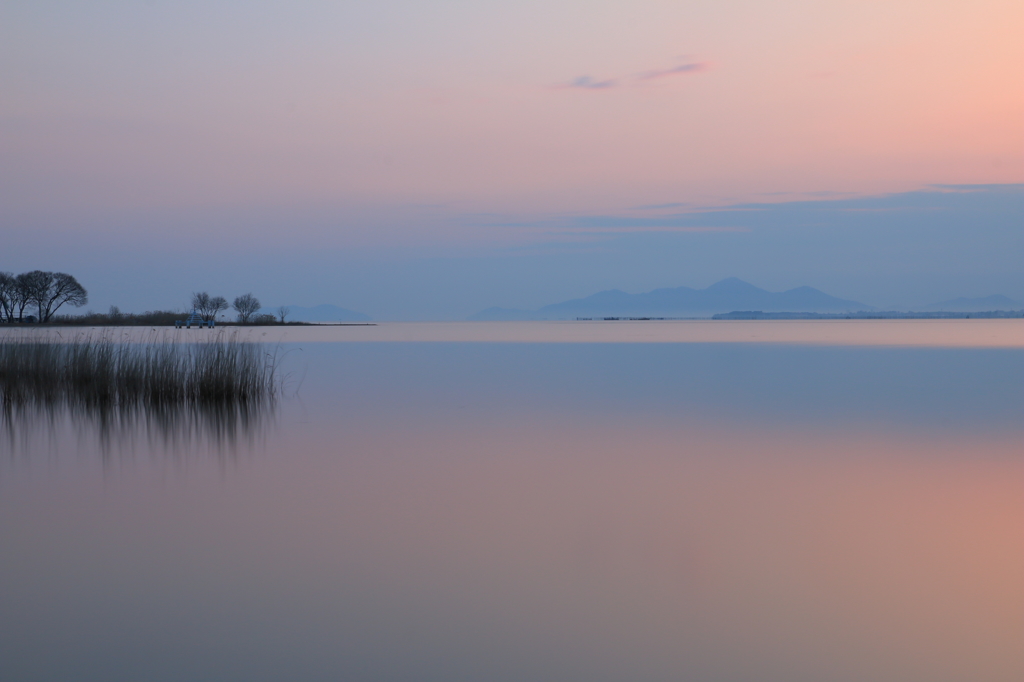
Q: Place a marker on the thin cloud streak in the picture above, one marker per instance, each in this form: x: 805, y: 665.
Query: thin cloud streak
x: 589, y: 83
x: 695, y: 67
x: 652, y: 228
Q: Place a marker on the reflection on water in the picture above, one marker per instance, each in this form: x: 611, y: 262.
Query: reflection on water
x: 448, y: 511
x: 218, y: 429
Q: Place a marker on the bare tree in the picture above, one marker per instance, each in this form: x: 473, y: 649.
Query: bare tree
x: 246, y: 306
x: 282, y: 312
x: 217, y: 304
x: 8, y: 293
x: 48, y: 291
x: 63, y: 288
x: 22, y: 294
x: 208, y: 306
x: 200, y: 303
x: 36, y: 289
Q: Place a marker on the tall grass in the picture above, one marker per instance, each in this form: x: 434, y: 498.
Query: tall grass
x: 157, y: 372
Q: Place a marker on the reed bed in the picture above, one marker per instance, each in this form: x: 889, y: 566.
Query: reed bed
x: 154, y: 372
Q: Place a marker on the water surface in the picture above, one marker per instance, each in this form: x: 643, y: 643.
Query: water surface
x: 547, y: 510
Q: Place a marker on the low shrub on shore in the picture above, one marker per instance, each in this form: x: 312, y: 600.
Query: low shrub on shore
x: 152, y: 318
x: 115, y: 318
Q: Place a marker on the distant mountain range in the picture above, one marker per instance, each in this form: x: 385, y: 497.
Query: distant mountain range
x: 726, y: 296
x: 319, y: 313
x: 729, y: 295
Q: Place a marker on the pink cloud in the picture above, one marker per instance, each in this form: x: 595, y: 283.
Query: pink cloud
x: 588, y: 83
x: 693, y: 67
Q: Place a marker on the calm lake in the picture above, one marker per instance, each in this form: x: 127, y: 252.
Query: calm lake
x: 643, y: 501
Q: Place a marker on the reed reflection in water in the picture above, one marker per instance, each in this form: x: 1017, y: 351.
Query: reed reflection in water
x: 218, y: 429
x: 212, y: 393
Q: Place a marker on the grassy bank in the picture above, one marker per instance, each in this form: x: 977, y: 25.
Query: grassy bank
x: 157, y: 372
x: 152, y: 318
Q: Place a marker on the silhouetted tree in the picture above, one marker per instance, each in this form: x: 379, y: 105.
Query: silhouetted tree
x: 47, y: 291
x: 21, y: 295
x: 7, y: 296
x: 208, y: 306
x: 201, y: 302
x: 282, y: 312
x: 246, y: 306
x: 217, y: 304
x: 62, y: 288
x: 35, y: 287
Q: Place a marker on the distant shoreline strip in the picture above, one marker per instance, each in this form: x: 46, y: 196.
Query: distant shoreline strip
x: 893, y: 315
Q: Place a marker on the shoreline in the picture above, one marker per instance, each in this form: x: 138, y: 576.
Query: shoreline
x: 932, y: 333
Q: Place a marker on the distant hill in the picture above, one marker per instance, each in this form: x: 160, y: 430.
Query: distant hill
x: 319, y: 313
x: 723, y: 297
x: 868, y: 315
x: 976, y: 305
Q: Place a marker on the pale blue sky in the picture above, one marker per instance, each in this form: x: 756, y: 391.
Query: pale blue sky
x: 894, y: 250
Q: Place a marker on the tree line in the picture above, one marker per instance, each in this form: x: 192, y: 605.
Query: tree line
x: 45, y: 292
x: 246, y: 305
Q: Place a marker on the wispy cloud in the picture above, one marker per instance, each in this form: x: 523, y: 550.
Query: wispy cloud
x: 636, y: 79
x: 693, y: 67
x: 588, y: 83
x: 979, y: 188
x: 645, y: 228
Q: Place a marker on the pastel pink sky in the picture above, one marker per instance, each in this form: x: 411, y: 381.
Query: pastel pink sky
x: 426, y: 159
x: 465, y: 104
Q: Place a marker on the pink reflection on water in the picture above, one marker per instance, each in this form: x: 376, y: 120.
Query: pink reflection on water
x: 532, y: 547
x: 794, y: 555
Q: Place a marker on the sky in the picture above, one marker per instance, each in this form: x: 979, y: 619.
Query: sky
x: 425, y: 160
